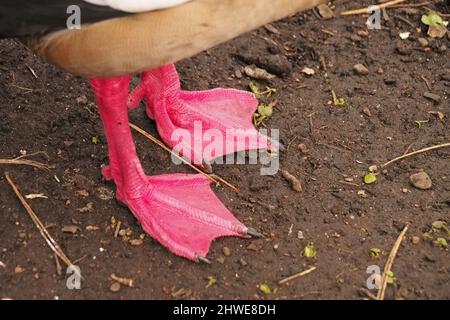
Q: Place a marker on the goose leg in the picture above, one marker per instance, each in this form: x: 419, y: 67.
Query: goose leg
x: 200, y: 125
x: 178, y: 210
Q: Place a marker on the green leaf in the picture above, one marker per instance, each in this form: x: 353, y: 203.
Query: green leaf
x: 420, y: 123
x: 441, y: 242
x: 426, y: 236
x: 254, y: 88
x: 269, y: 91
x: 370, y: 178
x: 390, y: 277
x: 265, y: 288
x: 309, y: 251
x: 265, y: 110
x: 211, y: 281
x: 432, y: 19
x: 375, y: 253
x: 339, y: 102
x: 438, y: 224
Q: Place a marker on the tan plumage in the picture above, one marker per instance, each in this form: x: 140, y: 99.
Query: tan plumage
x: 147, y: 40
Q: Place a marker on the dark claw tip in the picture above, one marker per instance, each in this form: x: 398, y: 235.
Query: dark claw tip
x: 203, y: 259
x: 207, y: 166
x: 252, y: 232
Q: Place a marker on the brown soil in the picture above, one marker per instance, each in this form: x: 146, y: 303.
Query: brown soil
x: 341, y: 142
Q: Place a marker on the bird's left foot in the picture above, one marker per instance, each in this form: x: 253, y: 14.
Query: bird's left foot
x: 181, y: 212
x: 200, y: 125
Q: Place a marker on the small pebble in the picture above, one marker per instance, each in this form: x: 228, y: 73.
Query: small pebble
x: 432, y: 96
x: 421, y: 180
x: 136, y: 242
x: 82, y: 100
x: 19, y: 269
x: 367, y: 112
x: 423, y: 42
x: 115, y: 287
x: 442, y: 48
x: 302, y: 147
x: 243, y: 262
x: 300, y: 235
x: 226, y: 251
x: 415, y: 240
x: 360, y: 69
x: 220, y: 260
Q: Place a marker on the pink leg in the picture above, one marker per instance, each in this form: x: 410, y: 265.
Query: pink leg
x: 225, y: 113
x: 179, y: 210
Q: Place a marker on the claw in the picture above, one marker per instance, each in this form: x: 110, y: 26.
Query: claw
x: 207, y: 166
x: 253, y: 232
x: 203, y: 259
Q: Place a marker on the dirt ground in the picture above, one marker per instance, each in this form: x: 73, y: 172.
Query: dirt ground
x: 385, y: 115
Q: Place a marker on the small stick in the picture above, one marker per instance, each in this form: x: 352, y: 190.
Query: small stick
x: 20, y: 161
x: 48, y: 238
x: 427, y: 82
x: 32, y: 71
x: 298, y: 275
x: 216, y: 178
x: 390, y: 262
x: 116, y: 233
x: 365, y: 10
x: 58, y: 265
x: 125, y: 281
x: 411, y: 5
x: 416, y: 152
x: 368, y: 293
x: 409, y: 23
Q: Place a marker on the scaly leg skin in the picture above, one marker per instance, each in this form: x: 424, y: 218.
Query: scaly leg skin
x: 178, y: 210
x: 190, y: 121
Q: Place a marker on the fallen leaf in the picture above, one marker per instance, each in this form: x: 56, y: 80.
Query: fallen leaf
x: 264, y: 288
x: 441, y: 242
x: 309, y: 251
x: 211, y: 281
x: 390, y: 277
x: 370, y: 178
x: 375, y: 253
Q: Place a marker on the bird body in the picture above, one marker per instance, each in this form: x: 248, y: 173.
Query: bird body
x: 180, y: 211
x: 139, y: 42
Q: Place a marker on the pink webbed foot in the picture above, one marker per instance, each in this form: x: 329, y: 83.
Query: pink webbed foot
x: 200, y: 125
x: 182, y: 213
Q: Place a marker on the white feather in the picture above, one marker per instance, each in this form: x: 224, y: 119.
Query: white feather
x: 137, y: 5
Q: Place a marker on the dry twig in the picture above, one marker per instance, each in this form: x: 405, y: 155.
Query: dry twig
x: 21, y: 161
x: 366, y: 10
x: 390, y: 262
x: 48, y: 238
x: 416, y: 152
x: 297, y: 275
x: 216, y: 179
